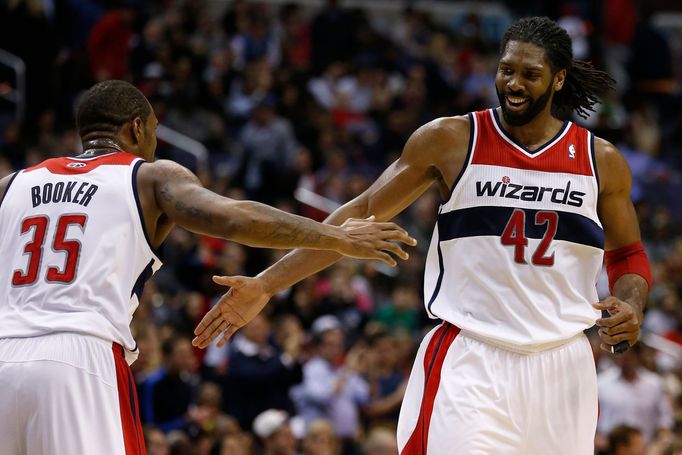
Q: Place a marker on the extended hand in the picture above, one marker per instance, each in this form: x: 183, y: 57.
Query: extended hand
x: 622, y: 325
x: 236, y: 308
x: 367, y: 239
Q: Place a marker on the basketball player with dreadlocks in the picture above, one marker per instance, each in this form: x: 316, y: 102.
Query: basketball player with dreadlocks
x: 532, y: 205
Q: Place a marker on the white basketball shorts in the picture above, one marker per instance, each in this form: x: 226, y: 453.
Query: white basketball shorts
x: 469, y: 397
x: 67, y: 394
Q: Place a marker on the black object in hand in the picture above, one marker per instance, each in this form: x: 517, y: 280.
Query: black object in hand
x: 620, y: 347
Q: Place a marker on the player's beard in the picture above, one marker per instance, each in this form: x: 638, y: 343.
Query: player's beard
x: 533, y: 108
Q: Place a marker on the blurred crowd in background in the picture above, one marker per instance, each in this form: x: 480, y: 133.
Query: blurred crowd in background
x: 321, y: 97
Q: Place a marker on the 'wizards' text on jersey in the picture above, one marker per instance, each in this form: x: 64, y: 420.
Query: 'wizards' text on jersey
x: 518, y: 246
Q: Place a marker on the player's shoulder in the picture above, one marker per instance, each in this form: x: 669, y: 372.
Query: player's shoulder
x: 446, y: 127
x: 5, y: 180
x: 163, y: 169
x: 612, y: 167
x: 605, y: 150
x: 607, y: 156
x: 158, y: 177
x: 4, y: 183
x: 442, y: 132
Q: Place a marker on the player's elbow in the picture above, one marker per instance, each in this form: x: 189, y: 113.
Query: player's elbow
x: 356, y: 208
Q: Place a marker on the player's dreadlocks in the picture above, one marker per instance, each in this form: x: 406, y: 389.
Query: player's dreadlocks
x: 584, y: 83
x: 107, y: 105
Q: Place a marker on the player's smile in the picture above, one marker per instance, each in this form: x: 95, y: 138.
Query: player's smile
x: 516, y: 103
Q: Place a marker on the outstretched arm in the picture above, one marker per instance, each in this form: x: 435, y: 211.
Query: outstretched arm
x: 435, y: 153
x: 180, y: 197
x: 621, y: 229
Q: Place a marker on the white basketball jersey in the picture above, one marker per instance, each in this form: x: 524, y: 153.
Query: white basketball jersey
x: 75, y: 255
x: 518, y: 246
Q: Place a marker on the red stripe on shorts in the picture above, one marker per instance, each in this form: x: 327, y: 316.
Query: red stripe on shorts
x: 127, y: 403
x: 433, y: 363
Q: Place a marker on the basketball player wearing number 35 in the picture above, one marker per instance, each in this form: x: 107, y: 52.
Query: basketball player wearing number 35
x: 77, y: 241
x: 530, y: 203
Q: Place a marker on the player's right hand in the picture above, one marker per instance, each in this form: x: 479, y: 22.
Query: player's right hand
x: 368, y: 239
x: 241, y: 304
x: 622, y: 323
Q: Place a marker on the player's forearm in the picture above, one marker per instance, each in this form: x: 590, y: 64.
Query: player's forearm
x: 294, y: 267
x: 260, y: 225
x: 633, y: 289
x: 300, y: 264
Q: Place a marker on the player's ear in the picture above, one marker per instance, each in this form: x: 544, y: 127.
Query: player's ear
x: 559, y: 79
x: 137, y: 128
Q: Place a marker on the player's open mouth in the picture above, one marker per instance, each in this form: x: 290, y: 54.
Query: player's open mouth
x: 515, y: 102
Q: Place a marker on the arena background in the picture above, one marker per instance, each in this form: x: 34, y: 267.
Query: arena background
x: 301, y: 105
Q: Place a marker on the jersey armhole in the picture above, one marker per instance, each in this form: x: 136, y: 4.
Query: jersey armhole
x: 593, y: 158
x: 138, y: 205
x: 473, y: 131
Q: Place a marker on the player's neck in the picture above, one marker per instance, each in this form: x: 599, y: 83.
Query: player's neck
x: 100, y: 146
x: 536, y: 132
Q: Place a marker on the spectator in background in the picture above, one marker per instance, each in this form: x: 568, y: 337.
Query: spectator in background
x: 269, y: 150
x: 675, y: 448
x: 303, y: 302
x: 294, y: 36
x: 380, y: 441
x: 177, y: 379
x: 320, y: 439
x: 233, y: 444
x: 651, y: 63
x: 188, y: 117
x: 179, y: 443
x: 206, y: 418
x: 332, y: 388
x: 259, y: 373
x: 578, y: 29
x: 646, y: 407
x: 274, y: 429
x: 346, y: 296
x: 108, y: 45
x: 386, y: 380
x: 246, y: 90
x: 626, y: 440
x: 403, y: 311
x: 289, y: 335
x: 147, y: 337
x: 255, y: 41
x: 664, y: 443
x: 333, y: 37
x: 155, y: 441
x: 12, y: 150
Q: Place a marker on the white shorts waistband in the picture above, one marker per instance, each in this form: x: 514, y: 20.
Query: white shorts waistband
x: 86, y: 352
x: 523, y: 349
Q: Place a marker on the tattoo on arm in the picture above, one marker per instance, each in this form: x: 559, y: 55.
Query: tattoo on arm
x: 252, y: 223
x: 179, y: 205
x: 281, y: 233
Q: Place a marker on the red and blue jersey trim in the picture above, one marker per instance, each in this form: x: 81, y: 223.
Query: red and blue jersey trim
x: 567, y: 152
x: 76, y: 166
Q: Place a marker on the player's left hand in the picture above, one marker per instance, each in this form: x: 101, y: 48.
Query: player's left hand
x: 622, y: 325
